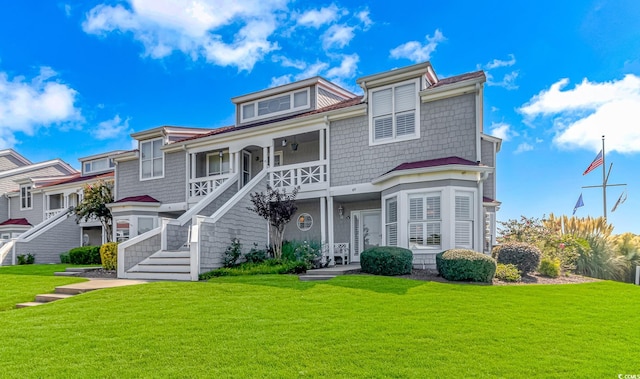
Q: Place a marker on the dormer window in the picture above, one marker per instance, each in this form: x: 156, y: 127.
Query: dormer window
x: 151, y: 159
x: 393, y: 113
x: 97, y: 165
x: 276, y: 105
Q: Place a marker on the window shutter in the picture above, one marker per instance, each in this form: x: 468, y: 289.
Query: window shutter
x: 464, y: 234
x: 383, y: 128
x: 392, y: 235
x: 405, y: 97
x: 381, y: 101
x: 405, y: 124
x: 433, y: 208
x: 416, y: 209
x: 392, y: 210
x: 463, y: 207
x: 391, y: 219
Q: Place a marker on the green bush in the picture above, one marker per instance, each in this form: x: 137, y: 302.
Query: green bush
x: 289, y: 250
x: 462, y: 264
x: 386, y: 260
x: 271, y: 266
x: 523, y: 255
x: 308, y: 253
x: 508, y: 273
x: 27, y: 259
x: 64, y: 258
x: 233, y: 253
x: 256, y: 256
x: 550, y: 267
x: 109, y: 255
x: 85, y: 255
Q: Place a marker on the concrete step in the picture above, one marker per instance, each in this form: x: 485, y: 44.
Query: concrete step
x: 28, y: 304
x: 82, y: 269
x: 172, y: 254
x: 67, y: 273
x: 158, y: 275
x: 166, y: 261
x: 308, y: 278
x: 146, y: 267
x: 71, y: 291
x: 48, y: 297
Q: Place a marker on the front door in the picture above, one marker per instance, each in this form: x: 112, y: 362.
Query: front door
x: 366, y: 232
x: 246, y: 168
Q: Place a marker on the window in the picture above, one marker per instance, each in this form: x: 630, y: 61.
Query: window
x: 98, y: 165
x: 122, y: 230
x: 276, y: 105
x: 425, y: 220
x: 464, y: 220
x: 305, y: 222
x: 56, y: 201
x: 145, y: 224
x: 218, y: 163
x: 25, y: 197
x: 151, y: 160
x: 391, y: 221
x: 393, y: 113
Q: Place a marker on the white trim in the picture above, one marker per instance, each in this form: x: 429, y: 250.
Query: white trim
x: 28, y: 195
x: 393, y: 76
x: 291, y: 87
x: 40, y: 165
x: 292, y: 107
x: 140, y: 161
x: 450, y: 90
x: 188, y: 215
x: 452, y: 171
x: 395, y: 138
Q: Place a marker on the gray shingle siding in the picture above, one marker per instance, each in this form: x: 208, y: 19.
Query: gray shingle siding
x: 312, y: 207
x: 141, y: 251
x: 4, y: 208
x: 48, y: 246
x: 7, y: 184
x: 447, y: 128
x: 488, y: 158
x: 238, y: 222
x: 169, y: 189
x: 9, y: 162
x: 34, y: 215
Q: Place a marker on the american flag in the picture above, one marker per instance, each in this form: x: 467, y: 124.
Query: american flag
x: 596, y: 162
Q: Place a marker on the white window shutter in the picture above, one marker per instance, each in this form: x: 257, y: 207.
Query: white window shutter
x: 383, y: 127
x: 464, y: 234
x: 405, y: 98
x: 381, y: 103
x: 405, y: 124
x: 416, y: 209
x: 433, y: 208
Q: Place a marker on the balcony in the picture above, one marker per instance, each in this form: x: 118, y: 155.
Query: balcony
x: 52, y: 212
x: 200, y: 187
x: 308, y: 176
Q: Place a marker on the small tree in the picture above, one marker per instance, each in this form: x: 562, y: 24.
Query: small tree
x: 277, y: 208
x: 94, y: 205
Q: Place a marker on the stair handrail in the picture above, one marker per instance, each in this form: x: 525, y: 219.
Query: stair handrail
x: 42, y: 227
x: 200, y: 205
x: 6, y: 248
x: 235, y: 198
x: 130, y: 242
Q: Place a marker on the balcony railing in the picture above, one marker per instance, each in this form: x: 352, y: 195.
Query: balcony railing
x: 199, y: 187
x: 307, y: 175
x: 52, y: 212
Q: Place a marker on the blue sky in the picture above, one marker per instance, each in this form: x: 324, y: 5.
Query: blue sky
x: 77, y: 77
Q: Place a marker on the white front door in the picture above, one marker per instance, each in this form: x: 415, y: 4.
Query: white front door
x: 366, y: 232
x: 246, y: 168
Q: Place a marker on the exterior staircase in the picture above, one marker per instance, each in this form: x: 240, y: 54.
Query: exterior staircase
x: 163, y: 265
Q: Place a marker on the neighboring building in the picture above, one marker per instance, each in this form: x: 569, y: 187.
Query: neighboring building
x: 406, y: 164
x: 38, y: 199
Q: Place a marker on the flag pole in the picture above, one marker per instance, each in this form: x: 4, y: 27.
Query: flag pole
x: 604, y: 182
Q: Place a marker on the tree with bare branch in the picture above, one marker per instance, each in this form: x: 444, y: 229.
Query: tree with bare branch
x: 277, y: 207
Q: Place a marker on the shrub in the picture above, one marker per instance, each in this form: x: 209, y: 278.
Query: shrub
x: 64, y: 258
x: 386, y: 260
x: 232, y: 254
x: 109, y: 255
x: 256, y: 256
x: 508, y: 273
x: 549, y: 267
x: 27, y: 259
x: 270, y: 266
x: 308, y: 253
x: 523, y: 255
x: 461, y: 264
x: 85, y: 255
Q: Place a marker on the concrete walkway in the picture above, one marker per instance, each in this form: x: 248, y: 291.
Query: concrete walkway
x: 63, y: 292
x: 330, y: 272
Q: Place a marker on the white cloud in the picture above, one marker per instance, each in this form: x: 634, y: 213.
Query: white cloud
x: 337, y: 36
x: 347, y: 68
x: 113, y: 128
x: 364, y: 17
x: 317, y: 17
x: 508, y: 80
x: 195, y: 28
x: 523, y: 147
x: 286, y: 62
x: 583, y: 114
x: 502, y: 130
x: 42, y: 102
x: 416, y: 51
x: 500, y: 63
x: 280, y: 80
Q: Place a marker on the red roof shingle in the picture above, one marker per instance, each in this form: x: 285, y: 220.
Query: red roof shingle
x: 16, y: 221
x: 458, y: 78
x: 138, y: 199
x: 434, y: 163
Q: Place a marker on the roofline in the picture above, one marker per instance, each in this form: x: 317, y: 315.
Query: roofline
x: 432, y: 169
x: 16, y: 155
x: 454, y: 89
x: 290, y: 87
x: 101, y: 155
x: 493, y: 139
x: 162, y: 131
x: 394, y: 75
x: 36, y: 166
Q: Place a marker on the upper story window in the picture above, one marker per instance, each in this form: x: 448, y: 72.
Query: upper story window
x: 275, y: 105
x: 151, y: 159
x: 393, y: 113
x: 25, y: 197
x: 97, y: 165
x: 218, y: 163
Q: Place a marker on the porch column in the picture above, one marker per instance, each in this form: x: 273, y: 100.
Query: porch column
x: 323, y: 154
x: 330, y: 214
x: 192, y: 174
x: 265, y: 154
x: 323, y: 221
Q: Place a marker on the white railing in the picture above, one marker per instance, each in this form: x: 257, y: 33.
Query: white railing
x: 199, y: 187
x: 203, y: 202
x: 52, y: 212
x: 306, y: 175
x: 6, y: 247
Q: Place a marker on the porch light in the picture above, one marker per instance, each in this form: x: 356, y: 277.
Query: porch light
x: 220, y: 153
x: 341, y: 211
x: 284, y: 142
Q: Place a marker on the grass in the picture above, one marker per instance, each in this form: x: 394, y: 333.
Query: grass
x: 17, y: 287
x: 350, y: 326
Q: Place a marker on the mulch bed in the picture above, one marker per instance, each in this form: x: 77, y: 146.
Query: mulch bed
x: 535, y: 278
x: 100, y: 274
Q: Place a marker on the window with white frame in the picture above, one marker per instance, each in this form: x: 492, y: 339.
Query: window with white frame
x: 425, y: 220
x: 275, y: 105
x: 145, y: 224
x: 25, y: 197
x: 218, y: 163
x: 123, y: 228
x: 464, y: 220
x: 98, y: 165
x: 56, y: 201
x: 305, y: 222
x: 393, y: 112
x: 151, y: 159
x: 391, y: 221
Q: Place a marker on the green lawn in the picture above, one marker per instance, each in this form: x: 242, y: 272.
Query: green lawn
x: 351, y: 326
x: 16, y: 287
